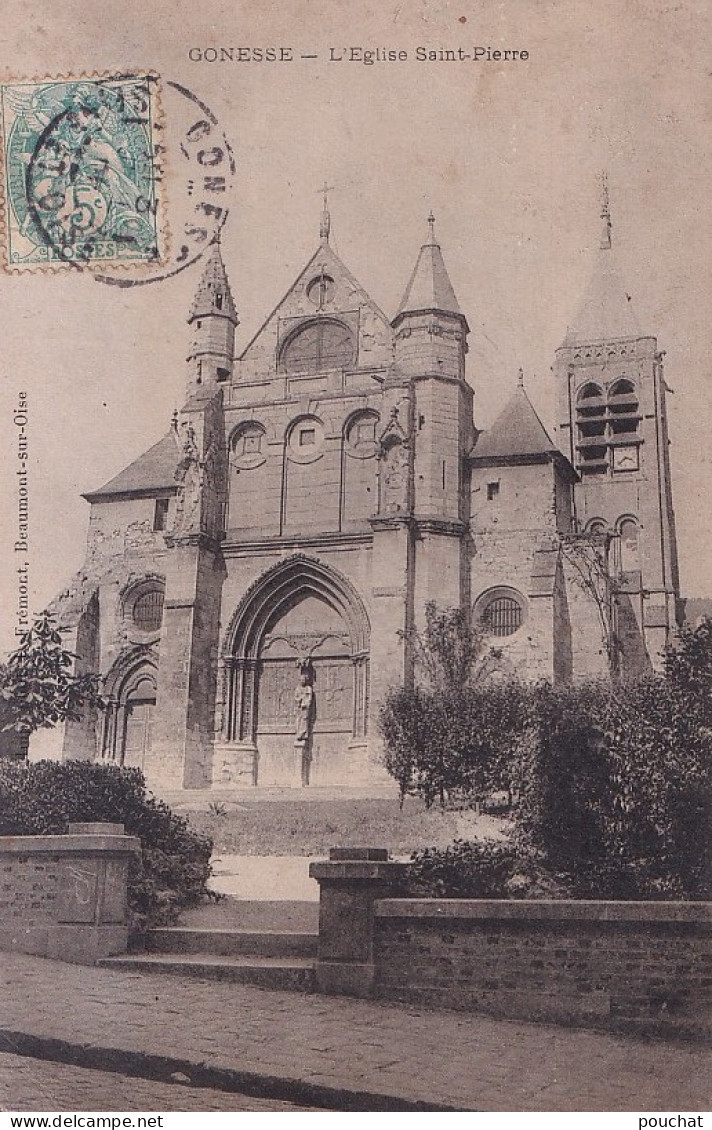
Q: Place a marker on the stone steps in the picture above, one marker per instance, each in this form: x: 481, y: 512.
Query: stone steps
x: 273, y: 945
x: 282, y: 916
x: 294, y: 973
x: 231, y: 943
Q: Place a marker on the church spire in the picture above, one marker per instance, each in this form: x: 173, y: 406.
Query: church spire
x: 213, y: 318
x: 213, y: 295
x: 606, y: 311
x: 429, y: 289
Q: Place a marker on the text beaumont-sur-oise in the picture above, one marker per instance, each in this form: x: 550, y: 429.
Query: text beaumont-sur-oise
x: 21, y: 544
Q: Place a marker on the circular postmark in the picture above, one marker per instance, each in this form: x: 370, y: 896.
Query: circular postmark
x: 99, y: 170
x: 201, y: 169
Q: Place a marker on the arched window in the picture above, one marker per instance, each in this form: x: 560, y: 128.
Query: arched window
x: 596, y: 527
x: 147, y: 611
x: 623, y: 414
x: 629, y: 555
x: 360, y: 434
x: 591, y: 429
x: 501, y: 612
x: 321, y: 345
x: 246, y: 444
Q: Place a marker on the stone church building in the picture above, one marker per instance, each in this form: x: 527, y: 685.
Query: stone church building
x: 253, y: 580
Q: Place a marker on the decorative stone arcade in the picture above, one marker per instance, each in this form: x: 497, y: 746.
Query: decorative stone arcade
x: 300, y: 612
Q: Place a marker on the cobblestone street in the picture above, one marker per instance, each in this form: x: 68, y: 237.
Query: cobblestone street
x: 464, y: 1061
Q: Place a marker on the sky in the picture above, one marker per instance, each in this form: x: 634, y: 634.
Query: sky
x: 506, y: 154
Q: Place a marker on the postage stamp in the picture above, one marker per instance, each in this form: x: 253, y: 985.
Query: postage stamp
x: 81, y: 173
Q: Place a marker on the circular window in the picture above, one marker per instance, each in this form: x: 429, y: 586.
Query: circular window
x: 501, y: 612
x: 321, y: 290
x: 143, y: 608
x: 319, y: 346
x: 147, y: 611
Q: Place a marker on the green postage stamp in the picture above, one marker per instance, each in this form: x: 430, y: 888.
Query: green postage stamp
x: 80, y: 173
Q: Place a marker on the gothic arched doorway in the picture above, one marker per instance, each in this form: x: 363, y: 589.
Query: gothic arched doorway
x: 131, y: 701
x: 300, y: 612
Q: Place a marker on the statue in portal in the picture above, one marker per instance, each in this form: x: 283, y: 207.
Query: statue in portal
x: 305, y: 707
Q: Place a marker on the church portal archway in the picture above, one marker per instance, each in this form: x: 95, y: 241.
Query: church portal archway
x: 131, y: 695
x: 300, y: 612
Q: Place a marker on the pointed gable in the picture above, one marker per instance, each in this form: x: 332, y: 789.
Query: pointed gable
x: 324, y: 289
x: 429, y: 289
x: 151, y: 472
x: 213, y: 295
x: 517, y: 432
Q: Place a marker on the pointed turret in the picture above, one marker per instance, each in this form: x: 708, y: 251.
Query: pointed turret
x: 429, y: 289
x: 430, y: 327
x: 606, y: 312
x: 214, y: 319
x: 213, y: 295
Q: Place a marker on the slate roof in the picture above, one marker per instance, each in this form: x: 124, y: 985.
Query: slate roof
x: 517, y: 431
x: 606, y: 311
x: 152, y: 471
x: 429, y: 287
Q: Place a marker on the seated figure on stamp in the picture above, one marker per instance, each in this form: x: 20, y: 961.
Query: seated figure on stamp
x: 305, y: 707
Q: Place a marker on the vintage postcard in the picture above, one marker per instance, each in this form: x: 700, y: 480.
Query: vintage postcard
x: 314, y: 317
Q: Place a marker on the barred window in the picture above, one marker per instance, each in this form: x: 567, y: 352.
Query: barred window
x: 501, y: 612
x: 147, y: 610
x: 502, y: 617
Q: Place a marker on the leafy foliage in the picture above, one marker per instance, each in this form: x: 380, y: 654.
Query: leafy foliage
x: 37, y: 687
x: 479, y: 869
x: 447, y: 743
x: 466, y: 869
x: 45, y: 797
x: 446, y: 736
x: 616, y: 790
x: 688, y: 666
x: 447, y: 650
x: 612, y: 783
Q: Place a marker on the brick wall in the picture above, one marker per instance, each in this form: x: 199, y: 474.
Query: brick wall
x: 64, y: 897
x: 629, y: 966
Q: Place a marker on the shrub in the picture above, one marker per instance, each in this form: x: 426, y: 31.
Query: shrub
x: 615, y: 790
x: 174, y: 867
x: 465, y: 869
x: 442, y: 743
x: 659, y: 823
x: 448, y: 734
x: 562, y: 780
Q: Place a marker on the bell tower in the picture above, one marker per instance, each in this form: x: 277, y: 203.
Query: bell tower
x: 213, y: 319
x: 612, y: 424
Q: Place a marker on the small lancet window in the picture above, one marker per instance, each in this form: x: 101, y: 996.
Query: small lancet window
x: 160, y: 514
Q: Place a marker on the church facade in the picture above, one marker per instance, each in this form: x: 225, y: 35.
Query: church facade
x: 253, y: 581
